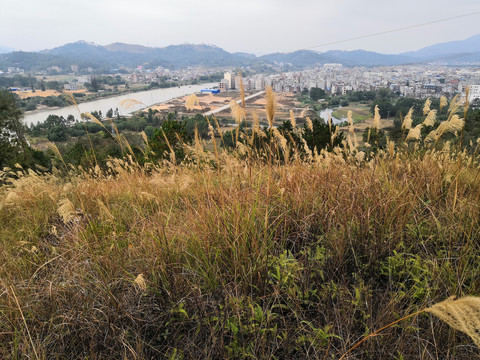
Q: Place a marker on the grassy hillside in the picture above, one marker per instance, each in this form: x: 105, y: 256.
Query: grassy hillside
x: 236, y: 255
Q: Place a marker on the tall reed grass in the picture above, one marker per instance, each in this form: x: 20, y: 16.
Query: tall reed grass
x: 240, y: 255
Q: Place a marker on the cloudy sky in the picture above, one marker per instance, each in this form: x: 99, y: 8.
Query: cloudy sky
x: 257, y: 26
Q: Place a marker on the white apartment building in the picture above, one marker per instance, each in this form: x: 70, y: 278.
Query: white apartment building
x: 474, y: 93
x: 223, y: 85
x: 71, y: 86
x: 259, y: 83
x: 228, y: 76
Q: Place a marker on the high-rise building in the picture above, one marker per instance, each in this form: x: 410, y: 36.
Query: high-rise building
x: 238, y: 81
x: 228, y: 76
x: 223, y: 85
x: 259, y: 83
x: 474, y: 93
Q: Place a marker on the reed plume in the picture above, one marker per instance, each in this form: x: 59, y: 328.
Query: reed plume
x: 426, y: 106
x: 145, y: 138
x: 453, y: 126
x: 12, y: 198
x: 67, y: 210
x: 292, y: 119
x: 443, y: 102
x: 242, y: 90
x: 376, y: 118
x: 309, y: 124
x: 415, y: 133
x: 466, y: 104
x: 270, y: 106
x: 461, y: 314
x: 430, y: 119
x: 283, y: 142
x: 350, y: 121
x: 191, y: 101
x: 237, y: 111
x: 407, y: 121
x: 106, y: 214
x: 130, y: 103
x: 454, y: 105
x: 140, y: 282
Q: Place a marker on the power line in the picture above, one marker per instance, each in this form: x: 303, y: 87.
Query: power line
x: 392, y: 30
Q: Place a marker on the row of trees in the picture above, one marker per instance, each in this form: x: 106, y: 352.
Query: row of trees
x: 14, y: 148
x: 173, y: 134
x: 31, y: 82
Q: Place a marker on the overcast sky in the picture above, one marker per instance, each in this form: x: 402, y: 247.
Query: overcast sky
x: 257, y: 26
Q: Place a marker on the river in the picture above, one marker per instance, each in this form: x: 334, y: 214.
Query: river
x: 325, y: 113
x: 147, y: 98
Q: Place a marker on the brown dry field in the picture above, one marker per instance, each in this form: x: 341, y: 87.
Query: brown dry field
x: 29, y: 94
x: 40, y: 93
x: 211, y: 101
x: 214, y: 101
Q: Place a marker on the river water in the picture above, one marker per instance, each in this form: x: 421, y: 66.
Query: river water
x: 325, y: 113
x: 147, y: 98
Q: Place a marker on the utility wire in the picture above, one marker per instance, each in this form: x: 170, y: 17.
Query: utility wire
x: 392, y: 30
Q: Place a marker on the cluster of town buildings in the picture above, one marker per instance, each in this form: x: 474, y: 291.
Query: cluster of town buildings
x: 418, y: 81
x: 138, y: 75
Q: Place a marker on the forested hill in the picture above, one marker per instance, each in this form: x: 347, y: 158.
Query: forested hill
x: 118, y: 55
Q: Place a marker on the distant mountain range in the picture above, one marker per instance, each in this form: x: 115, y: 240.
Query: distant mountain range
x: 118, y: 55
x: 472, y: 44
x: 5, y: 49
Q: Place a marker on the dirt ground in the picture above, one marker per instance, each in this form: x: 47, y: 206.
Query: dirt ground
x: 29, y: 94
x: 210, y: 101
x: 40, y: 93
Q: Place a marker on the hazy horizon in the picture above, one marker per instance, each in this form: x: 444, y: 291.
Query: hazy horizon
x: 258, y: 27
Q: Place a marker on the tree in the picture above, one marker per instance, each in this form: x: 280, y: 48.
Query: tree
x: 171, y: 136
x: 97, y: 114
x: 377, y: 140
x: 316, y: 93
x: 54, y: 85
x: 13, y: 145
x: 94, y: 85
x: 11, y: 127
x: 386, y: 107
x: 321, y: 136
x: 56, y: 127
x: 199, y: 122
x: 150, y: 116
x: 42, y: 85
x: 31, y: 84
x: 57, y: 133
